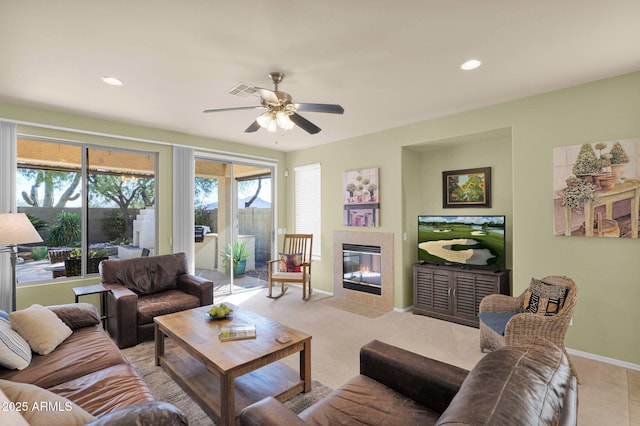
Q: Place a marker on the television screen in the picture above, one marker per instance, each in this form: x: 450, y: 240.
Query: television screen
x: 474, y: 241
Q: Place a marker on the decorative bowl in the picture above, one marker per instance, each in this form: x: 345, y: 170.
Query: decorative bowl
x: 216, y: 317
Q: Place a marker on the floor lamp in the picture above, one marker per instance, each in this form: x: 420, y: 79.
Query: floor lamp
x: 15, y: 228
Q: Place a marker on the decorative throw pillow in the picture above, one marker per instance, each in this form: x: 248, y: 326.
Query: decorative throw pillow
x: 15, y: 352
x: 290, y: 262
x: 544, y: 299
x: 40, y: 407
x: 10, y: 417
x: 76, y: 315
x: 40, y: 327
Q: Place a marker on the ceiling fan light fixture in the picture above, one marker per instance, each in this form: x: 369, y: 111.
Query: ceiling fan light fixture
x: 272, y: 127
x: 265, y: 120
x: 284, y: 121
x: 281, y: 112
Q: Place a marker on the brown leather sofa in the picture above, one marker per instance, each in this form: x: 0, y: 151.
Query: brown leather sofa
x: 88, y: 369
x: 528, y: 384
x: 145, y: 287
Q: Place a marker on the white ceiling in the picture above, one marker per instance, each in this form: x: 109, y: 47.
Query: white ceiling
x: 388, y: 63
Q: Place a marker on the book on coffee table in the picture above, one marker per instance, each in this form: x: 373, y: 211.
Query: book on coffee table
x: 237, y: 332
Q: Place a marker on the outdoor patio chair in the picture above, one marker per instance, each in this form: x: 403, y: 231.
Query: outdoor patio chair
x: 59, y: 256
x: 293, y: 265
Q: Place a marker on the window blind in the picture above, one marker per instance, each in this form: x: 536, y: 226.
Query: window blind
x: 307, y: 203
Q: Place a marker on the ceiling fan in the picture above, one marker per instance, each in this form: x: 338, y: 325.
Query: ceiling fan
x: 281, y: 111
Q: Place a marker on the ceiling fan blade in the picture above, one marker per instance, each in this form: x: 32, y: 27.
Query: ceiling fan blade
x: 254, y: 127
x: 268, y: 95
x: 304, y: 124
x: 232, y: 109
x: 328, y: 108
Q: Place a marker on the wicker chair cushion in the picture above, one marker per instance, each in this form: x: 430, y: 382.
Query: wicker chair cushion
x: 544, y: 299
x: 497, y: 321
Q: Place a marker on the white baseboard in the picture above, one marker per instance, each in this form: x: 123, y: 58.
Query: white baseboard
x: 604, y: 359
x: 317, y: 290
x: 575, y: 352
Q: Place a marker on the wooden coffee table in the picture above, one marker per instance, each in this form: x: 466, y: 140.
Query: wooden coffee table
x: 225, y: 377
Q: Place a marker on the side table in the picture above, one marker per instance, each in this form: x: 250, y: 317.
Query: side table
x: 95, y: 289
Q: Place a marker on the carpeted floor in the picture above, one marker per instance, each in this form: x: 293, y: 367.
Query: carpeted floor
x: 352, y: 307
x: 164, y: 388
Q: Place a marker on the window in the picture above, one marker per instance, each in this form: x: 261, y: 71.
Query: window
x: 307, y: 203
x: 87, y: 203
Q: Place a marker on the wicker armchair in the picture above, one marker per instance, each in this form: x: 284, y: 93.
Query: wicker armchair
x: 523, y: 325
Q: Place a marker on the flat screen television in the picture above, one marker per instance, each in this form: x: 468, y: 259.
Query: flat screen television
x: 474, y: 242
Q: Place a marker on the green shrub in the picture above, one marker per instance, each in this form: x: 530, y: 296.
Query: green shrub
x: 114, y: 226
x: 65, y: 230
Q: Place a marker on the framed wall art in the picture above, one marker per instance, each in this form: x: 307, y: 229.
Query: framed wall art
x: 361, y: 198
x: 466, y: 188
x: 596, y: 188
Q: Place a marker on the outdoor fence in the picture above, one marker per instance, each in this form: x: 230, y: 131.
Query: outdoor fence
x: 251, y: 221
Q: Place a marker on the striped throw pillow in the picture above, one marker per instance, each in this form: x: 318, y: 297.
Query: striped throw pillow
x: 15, y: 352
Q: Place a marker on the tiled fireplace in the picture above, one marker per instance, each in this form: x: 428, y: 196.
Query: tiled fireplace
x: 363, y: 268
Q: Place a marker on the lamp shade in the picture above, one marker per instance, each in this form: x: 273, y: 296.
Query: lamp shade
x: 16, y: 228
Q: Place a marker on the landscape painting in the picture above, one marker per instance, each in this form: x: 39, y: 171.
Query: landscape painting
x: 466, y: 188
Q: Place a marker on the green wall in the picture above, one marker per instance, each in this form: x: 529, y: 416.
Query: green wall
x: 372, y: 151
x: 515, y: 138
x: 486, y: 149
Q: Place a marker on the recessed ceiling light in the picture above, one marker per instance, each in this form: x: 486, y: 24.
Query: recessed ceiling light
x: 112, y: 81
x: 471, y: 64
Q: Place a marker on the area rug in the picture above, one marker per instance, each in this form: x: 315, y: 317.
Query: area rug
x: 164, y: 388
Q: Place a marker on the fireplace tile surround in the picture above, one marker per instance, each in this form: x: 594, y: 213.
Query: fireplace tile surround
x: 384, y: 240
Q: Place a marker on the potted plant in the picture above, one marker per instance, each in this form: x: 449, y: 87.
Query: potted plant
x: 237, y: 254
x: 95, y: 257
x: 73, y: 265
x: 585, y: 164
x: 618, y: 159
x: 577, y: 193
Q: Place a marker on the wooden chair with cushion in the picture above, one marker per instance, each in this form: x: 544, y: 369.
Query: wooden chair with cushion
x: 293, y: 265
x: 506, y: 320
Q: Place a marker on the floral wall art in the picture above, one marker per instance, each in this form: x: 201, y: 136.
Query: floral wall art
x: 596, y: 189
x: 361, y: 198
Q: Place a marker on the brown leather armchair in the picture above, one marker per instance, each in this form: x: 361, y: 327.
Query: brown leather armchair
x: 145, y: 287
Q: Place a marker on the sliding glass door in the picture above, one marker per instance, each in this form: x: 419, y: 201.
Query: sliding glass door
x: 233, y: 223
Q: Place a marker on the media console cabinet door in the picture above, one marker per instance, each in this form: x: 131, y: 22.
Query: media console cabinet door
x: 453, y: 294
